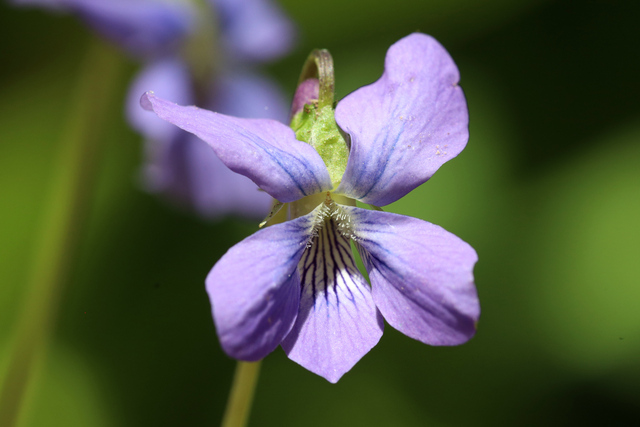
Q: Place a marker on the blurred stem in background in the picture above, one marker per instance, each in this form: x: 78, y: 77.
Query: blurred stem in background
x: 62, y: 223
x: 241, y: 395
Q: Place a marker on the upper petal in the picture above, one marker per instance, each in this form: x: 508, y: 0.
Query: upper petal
x: 254, y: 30
x: 255, y: 289
x: 263, y: 150
x: 421, y: 276
x: 338, y: 322
x: 404, y: 126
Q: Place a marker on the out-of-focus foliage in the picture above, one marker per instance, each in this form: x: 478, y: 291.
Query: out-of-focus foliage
x: 584, y: 231
x: 546, y: 191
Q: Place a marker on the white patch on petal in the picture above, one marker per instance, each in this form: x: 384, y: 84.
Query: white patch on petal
x: 328, y: 263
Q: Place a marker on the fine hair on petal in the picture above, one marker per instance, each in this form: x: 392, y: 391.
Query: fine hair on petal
x: 330, y: 210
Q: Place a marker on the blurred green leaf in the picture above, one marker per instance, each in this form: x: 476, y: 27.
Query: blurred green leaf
x: 71, y: 391
x: 582, y: 271
x: 330, y: 22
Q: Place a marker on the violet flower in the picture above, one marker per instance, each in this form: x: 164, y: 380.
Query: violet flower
x: 296, y: 284
x: 160, y: 33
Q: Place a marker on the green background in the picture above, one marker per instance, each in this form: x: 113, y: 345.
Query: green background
x: 547, y: 191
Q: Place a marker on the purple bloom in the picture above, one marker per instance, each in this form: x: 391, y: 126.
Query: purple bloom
x: 142, y: 27
x: 254, y: 30
x: 177, y: 165
x: 296, y: 284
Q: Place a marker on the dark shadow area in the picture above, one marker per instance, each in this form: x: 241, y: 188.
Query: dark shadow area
x: 584, y: 404
x: 569, y: 69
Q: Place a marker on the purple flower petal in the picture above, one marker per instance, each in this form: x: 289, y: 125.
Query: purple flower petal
x: 306, y: 93
x: 216, y: 190
x: 181, y: 166
x: 143, y: 27
x: 255, y: 289
x: 189, y: 173
x: 263, y: 150
x: 338, y: 322
x: 254, y: 30
x: 404, y: 126
x: 421, y: 276
x: 168, y: 78
x: 165, y: 146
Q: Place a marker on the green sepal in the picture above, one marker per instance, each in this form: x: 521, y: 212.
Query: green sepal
x: 317, y: 127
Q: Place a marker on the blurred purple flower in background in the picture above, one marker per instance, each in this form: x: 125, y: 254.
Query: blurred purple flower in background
x: 296, y: 284
x: 195, y: 53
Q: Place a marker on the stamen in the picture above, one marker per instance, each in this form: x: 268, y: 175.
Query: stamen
x: 330, y: 210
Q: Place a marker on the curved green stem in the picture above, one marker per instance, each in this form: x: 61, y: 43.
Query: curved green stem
x: 319, y: 65
x: 64, y: 214
x: 241, y: 395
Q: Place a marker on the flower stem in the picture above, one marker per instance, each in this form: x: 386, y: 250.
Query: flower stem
x: 241, y: 395
x: 63, y: 215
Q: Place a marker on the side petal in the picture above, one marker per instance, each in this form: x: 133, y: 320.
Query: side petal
x: 255, y: 289
x: 263, y: 150
x: 338, y: 322
x: 190, y: 174
x: 421, y: 276
x: 404, y: 126
x: 254, y: 30
x: 181, y: 166
x: 216, y: 190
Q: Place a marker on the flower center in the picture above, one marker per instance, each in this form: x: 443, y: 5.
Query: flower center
x: 330, y: 214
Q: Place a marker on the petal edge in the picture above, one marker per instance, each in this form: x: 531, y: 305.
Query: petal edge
x: 404, y: 126
x: 421, y: 276
x: 255, y: 289
x: 266, y: 151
